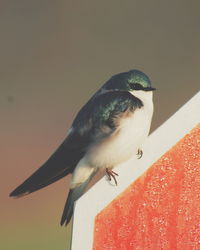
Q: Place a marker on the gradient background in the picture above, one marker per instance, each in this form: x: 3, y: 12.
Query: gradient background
x: 53, y: 56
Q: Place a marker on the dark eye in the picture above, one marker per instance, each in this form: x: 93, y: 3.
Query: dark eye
x: 136, y: 86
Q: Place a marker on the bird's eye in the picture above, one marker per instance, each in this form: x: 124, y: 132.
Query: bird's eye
x: 136, y: 86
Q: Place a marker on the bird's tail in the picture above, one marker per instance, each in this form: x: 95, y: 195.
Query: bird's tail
x: 74, y: 194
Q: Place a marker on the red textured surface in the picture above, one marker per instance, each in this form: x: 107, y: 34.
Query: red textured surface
x: 161, y: 210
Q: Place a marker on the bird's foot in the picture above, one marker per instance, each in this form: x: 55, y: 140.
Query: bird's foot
x: 111, y: 174
x: 139, y: 153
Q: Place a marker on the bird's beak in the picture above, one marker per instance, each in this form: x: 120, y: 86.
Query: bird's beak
x: 150, y: 89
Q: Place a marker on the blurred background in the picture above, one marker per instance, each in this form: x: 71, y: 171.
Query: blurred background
x: 53, y: 56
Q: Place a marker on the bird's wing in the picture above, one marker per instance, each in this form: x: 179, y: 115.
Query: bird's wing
x: 61, y: 163
x: 97, y: 119
x: 100, y: 116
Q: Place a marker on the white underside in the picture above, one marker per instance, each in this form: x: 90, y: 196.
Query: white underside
x: 121, y: 145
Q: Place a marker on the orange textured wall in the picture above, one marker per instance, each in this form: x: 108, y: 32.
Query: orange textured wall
x: 161, y: 210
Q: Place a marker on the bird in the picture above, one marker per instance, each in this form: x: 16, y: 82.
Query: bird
x: 108, y: 130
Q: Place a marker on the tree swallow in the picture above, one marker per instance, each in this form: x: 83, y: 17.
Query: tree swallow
x: 107, y: 131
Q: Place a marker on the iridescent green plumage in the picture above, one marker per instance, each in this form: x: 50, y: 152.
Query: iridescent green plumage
x: 136, y: 76
x: 125, y: 81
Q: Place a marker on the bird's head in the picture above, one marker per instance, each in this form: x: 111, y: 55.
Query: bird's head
x: 133, y: 80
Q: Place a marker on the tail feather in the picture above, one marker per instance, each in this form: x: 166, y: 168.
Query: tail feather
x: 73, y: 195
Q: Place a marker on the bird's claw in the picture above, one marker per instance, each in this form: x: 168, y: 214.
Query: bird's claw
x: 140, y: 153
x: 111, y: 174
